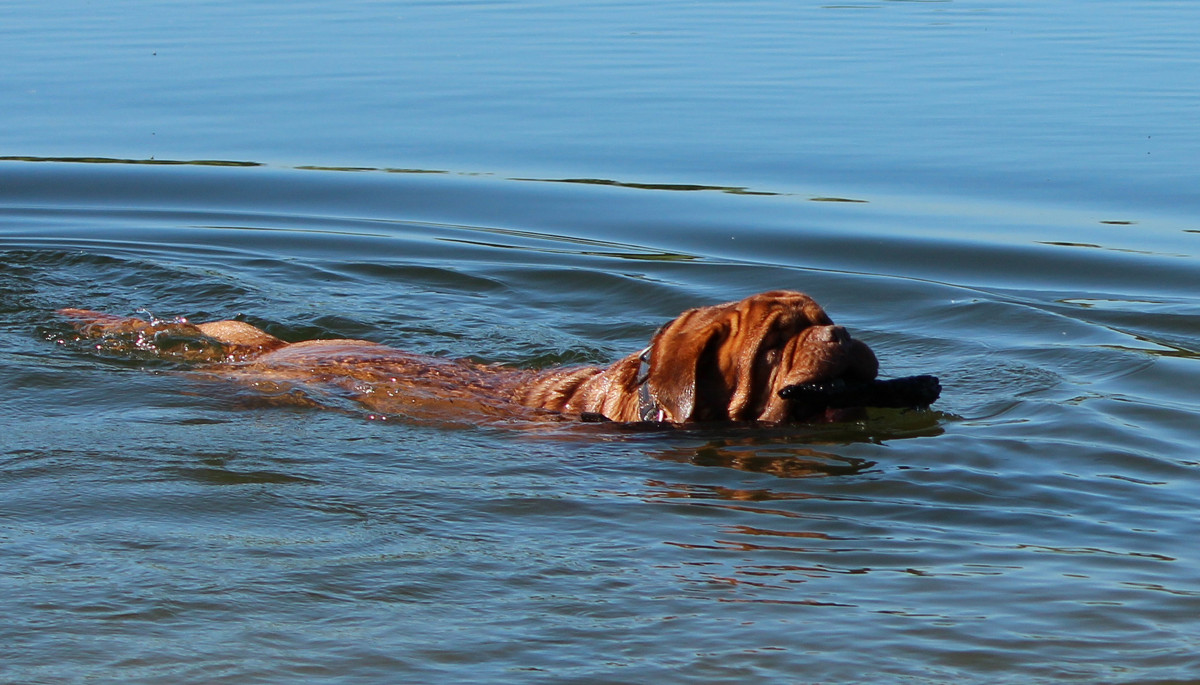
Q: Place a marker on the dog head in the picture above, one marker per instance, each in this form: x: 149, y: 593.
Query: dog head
x: 729, y: 361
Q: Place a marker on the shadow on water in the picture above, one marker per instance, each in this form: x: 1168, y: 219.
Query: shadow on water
x: 783, y: 451
x: 676, y: 187
x: 147, y: 162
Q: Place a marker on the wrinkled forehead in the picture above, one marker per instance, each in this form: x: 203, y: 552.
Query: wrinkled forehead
x: 789, y: 308
x: 772, y: 317
x: 785, y: 311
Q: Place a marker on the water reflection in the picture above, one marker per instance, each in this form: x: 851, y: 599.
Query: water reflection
x: 767, y: 546
x: 658, y: 490
x: 784, y: 462
x: 790, y: 450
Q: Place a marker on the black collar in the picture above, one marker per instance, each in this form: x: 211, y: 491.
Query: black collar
x: 648, y: 407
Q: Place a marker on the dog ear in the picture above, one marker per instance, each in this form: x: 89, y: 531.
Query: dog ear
x: 683, y: 361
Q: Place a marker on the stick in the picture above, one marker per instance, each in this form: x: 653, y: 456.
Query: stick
x: 910, y: 391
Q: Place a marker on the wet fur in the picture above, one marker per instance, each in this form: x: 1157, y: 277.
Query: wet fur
x: 725, y: 362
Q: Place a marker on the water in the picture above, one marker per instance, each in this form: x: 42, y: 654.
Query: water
x: 1001, y: 193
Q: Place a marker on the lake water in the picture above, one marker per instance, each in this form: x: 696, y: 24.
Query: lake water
x: 1002, y: 193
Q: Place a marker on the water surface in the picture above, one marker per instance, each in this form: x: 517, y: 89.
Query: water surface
x: 1002, y: 194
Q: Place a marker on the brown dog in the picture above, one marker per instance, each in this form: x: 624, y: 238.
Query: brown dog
x: 739, y: 361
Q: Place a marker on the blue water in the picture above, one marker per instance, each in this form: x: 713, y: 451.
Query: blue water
x: 999, y: 193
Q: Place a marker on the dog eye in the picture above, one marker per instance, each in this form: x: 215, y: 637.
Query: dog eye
x: 772, y: 356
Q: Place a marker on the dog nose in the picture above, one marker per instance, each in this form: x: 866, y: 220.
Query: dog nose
x: 831, y: 334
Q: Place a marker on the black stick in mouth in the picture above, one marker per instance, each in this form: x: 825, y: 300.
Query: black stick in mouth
x: 910, y: 391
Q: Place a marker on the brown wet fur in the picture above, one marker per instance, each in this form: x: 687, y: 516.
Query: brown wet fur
x: 719, y: 363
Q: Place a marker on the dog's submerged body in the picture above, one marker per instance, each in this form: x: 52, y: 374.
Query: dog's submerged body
x: 728, y: 362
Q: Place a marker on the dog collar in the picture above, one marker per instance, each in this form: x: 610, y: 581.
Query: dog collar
x: 648, y: 407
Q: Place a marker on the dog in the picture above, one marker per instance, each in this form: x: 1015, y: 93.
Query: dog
x: 774, y: 357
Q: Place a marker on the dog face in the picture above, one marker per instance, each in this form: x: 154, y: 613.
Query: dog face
x: 729, y: 361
